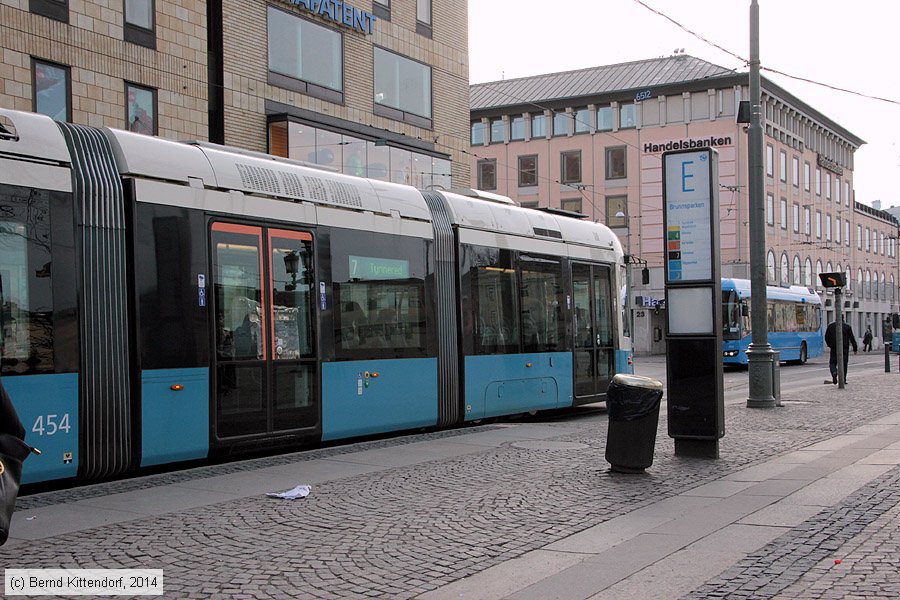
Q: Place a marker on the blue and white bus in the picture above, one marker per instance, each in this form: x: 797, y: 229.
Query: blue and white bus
x: 796, y: 326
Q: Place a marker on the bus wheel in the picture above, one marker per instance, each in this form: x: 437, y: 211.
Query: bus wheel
x: 803, y: 353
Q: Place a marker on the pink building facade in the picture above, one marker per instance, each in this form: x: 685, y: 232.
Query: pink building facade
x: 591, y: 141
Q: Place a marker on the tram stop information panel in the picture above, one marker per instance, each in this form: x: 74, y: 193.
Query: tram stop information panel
x: 696, y: 401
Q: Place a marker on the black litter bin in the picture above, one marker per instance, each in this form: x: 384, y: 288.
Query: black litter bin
x: 633, y: 405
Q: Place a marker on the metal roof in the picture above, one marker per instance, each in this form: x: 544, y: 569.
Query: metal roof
x: 594, y: 81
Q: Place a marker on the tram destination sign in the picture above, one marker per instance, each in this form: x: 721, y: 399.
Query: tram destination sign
x: 689, y: 213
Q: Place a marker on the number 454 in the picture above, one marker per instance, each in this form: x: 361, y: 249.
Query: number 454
x: 51, y: 424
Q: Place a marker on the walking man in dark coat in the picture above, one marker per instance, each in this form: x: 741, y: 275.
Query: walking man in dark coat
x: 848, y: 340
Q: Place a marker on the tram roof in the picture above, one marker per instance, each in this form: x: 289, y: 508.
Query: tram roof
x: 471, y: 211
x: 32, y: 135
x: 252, y: 173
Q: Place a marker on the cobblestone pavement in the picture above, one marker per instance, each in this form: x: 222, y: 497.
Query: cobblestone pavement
x: 406, y: 530
x: 862, y: 532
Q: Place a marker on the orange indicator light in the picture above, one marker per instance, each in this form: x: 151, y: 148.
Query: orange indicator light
x: 177, y: 387
x: 375, y: 374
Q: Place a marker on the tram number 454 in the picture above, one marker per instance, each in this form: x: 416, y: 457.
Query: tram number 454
x: 51, y: 424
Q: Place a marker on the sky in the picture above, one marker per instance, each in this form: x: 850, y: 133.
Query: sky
x: 850, y: 45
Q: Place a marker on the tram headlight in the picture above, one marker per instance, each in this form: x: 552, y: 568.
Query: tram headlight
x: 730, y: 353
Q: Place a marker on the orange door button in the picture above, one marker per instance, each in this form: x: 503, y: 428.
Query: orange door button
x: 529, y: 365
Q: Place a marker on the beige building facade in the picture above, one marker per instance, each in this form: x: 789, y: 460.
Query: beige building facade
x: 372, y: 88
x: 591, y: 141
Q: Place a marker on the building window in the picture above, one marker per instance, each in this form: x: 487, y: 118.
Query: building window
x: 807, y: 221
x: 819, y: 224
x: 859, y: 238
x: 140, y: 22
x: 517, y: 128
x: 785, y: 275
x: 570, y: 166
x: 616, y: 167
x: 847, y: 232
x: 847, y: 193
x: 528, y: 170
x: 617, y: 211
x: 806, y: 176
x: 828, y: 186
x: 403, y: 87
x: 868, y: 241
x: 477, y: 133
x: 51, y: 90
x: 382, y: 9
x: 627, y: 119
x: 784, y: 214
x: 770, y: 161
x: 797, y: 274
x: 58, y: 10
x: 605, y: 118
x: 487, y: 174
x: 837, y: 230
x: 141, y: 109
x: 538, y: 126
x: 770, y: 267
x: 796, y: 218
x: 561, y: 123
x: 571, y: 204
x: 582, y: 120
x: 498, y: 131
x: 828, y: 227
x: 770, y: 209
x: 423, y: 17
x: 782, y: 163
x: 305, y: 57
x: 837, y: 190
x: 795, y: 171
x: 818, y: 181
x: 807, y: 273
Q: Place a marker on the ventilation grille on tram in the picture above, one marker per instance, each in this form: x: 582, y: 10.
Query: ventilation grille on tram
x: 548, y: 233
x: 306, y: 187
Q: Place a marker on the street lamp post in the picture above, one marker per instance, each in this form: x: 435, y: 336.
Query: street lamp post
x: 759, y: 355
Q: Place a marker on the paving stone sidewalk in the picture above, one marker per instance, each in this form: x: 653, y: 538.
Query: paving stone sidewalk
x: 402, y: 531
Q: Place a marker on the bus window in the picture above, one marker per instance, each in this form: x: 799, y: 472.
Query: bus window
x: 731, y: 316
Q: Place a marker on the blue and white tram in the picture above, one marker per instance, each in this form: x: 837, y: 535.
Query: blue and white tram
x: 165, y: 302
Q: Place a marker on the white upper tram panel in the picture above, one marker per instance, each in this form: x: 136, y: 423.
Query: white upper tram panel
x: 32, y: 136
x: 527, y: 229
x: 258, y: 174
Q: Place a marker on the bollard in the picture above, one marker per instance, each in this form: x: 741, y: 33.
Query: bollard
x: 887, y: 358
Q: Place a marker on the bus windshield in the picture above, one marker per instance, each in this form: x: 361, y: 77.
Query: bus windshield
x: 731, y: 315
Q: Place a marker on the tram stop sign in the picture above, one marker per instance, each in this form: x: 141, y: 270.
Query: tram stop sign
x: 833, y: 280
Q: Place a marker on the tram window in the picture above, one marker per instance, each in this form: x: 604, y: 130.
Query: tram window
x: 291, y: 296
x: 26, y: 315
x: 493, y: 280
x: 379, y: 295
x: 378, y: 315
x: 541, y: 294
x: 604, y: 317
x: 238, y: 289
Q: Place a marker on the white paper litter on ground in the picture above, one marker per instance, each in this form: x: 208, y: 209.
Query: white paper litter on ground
x: 301, y: 491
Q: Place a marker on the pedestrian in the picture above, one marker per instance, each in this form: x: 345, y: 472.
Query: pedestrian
x: 847, y: 339
x: 867, y: 339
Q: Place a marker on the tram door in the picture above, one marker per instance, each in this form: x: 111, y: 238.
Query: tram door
x: 265, y: 358
x: 594, y: 353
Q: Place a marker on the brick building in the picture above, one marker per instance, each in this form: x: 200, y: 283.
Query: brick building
x: 591, y: 141
x: 377, y: 89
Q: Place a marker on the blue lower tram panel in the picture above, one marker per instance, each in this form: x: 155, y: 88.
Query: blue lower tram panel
x: 47, y: 405
x: 376, y: 396
x: 174, y: 415
x: 507, y: 384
